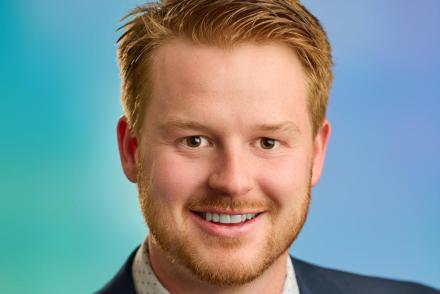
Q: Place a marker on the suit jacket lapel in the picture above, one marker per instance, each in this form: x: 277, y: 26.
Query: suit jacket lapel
x: 312, y: 280
x: 123, y: 281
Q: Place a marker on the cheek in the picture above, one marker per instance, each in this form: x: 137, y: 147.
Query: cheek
x: 175, y: 179
x: 286, y: 179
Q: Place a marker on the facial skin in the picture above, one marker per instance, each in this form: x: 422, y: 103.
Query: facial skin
x: 227, y: 132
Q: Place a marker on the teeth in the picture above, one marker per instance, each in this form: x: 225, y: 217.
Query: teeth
x: 228, y: 218
x: 215, y: 217
x: 235, y: 219
x: 225, y: 219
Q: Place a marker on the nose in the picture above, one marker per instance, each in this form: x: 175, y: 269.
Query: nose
x: 231, y: 175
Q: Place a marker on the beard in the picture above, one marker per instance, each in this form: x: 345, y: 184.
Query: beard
x: 178, y: 242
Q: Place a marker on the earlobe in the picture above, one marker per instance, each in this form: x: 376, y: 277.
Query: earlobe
x: 128, y: 144
x: 319, y: 151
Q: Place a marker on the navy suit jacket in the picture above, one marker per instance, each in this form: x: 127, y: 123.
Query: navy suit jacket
x: 311, y: 279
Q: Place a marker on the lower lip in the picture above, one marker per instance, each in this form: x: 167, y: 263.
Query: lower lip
x: 227, y: 230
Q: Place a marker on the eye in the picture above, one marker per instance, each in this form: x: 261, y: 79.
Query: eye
x: 195, y: 141
x: 268, y: 143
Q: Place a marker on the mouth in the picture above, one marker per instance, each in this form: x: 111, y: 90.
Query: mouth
x: 228, y: 224
x: 226, y: 218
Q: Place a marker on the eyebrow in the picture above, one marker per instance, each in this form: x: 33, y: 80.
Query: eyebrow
x: 182, y: 124
x: 283, y: 126
x: 193, y: 125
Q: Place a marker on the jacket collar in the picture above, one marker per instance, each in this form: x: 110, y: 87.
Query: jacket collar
x: 313, y: 279
x: 123, y: 281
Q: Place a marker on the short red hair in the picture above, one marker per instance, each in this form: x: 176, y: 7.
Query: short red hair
x: 223, y: 23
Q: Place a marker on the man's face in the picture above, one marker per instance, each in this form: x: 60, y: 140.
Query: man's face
x: 226, y: 158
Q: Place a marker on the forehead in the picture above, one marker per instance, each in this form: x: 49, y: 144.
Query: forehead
x: 180, y: 59
x: 247, y: 82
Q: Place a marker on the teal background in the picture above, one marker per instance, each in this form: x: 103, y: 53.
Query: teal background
x: 69, y: 218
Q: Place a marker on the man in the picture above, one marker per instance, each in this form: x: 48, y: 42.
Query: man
x: 225, y: 132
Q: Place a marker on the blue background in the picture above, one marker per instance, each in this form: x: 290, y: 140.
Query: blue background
x: 69, y: 217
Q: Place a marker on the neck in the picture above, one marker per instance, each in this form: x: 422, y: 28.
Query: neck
x: 178, y: 279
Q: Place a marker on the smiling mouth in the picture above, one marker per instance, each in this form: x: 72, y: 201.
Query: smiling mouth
x: 226, y: 219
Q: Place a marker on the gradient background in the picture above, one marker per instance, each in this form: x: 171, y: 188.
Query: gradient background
x: 69, y: 218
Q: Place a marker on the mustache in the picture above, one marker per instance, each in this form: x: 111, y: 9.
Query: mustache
x: 229, y: 203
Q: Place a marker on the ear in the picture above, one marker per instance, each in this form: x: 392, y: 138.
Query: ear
x: 319, y: 151
x: 128, y: 145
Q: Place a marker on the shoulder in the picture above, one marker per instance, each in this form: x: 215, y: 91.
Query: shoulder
x: 122, y: 282
x: 312, y: 278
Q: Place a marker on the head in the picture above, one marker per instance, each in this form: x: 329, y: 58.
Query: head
x: 224, y: 117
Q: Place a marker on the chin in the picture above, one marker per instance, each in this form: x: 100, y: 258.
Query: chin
x: 227, y: 262
x: 243, y: 254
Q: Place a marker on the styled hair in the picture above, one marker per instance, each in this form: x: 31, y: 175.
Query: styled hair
x: 222, y: 23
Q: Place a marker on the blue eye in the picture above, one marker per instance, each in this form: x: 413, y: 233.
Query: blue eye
x: 268, y: 143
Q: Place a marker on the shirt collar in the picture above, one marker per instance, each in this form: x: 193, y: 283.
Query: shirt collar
x: 145, y: 281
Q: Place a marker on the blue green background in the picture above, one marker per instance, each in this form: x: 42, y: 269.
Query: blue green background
x: 69, y: 218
